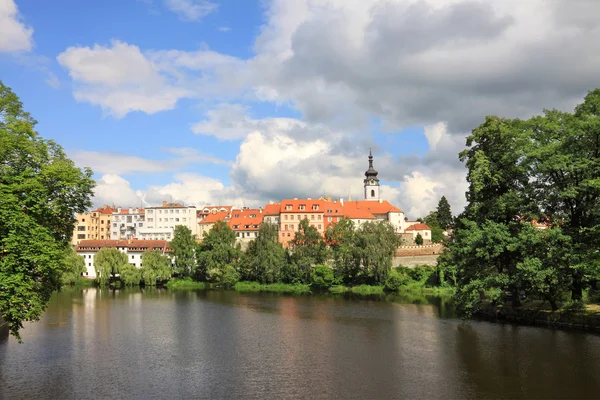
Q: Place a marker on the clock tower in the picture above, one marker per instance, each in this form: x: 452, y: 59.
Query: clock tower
x: 371, y: 181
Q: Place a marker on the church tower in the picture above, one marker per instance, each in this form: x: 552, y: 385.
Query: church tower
x: 371, y: 181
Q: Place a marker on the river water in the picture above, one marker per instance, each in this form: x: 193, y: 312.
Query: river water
x: 158, y: 344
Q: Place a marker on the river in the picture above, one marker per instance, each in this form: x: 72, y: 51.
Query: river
x: 158, y: 344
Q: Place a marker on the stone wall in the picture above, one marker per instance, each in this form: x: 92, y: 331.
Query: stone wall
x: 414, y: 261
x: 424, y: 250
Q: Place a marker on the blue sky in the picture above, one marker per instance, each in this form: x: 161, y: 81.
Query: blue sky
x: 243, y: 102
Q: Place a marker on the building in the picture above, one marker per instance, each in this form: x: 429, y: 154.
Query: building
x: 371, y: 181
x: 94, y: 225
x: 207, y: 222
x: 422, y: 229
x: 271, y: 214
x: 132, y: 248
x: 207, y: 210
x: 126, y: 223
x: 293, y: 211
x: 246, y: 223
x: 160, y: 222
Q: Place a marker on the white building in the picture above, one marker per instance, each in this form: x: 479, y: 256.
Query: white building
x: 132, y: 248
x: 126, y: 222
x: 160, y: 222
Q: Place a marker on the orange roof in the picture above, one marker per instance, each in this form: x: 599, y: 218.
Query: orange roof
x: 418, y: 227
x: 246, y: 220
x: 126, y: 211
x: 210, y: 209
x: 132, y: 244
x: 272, y: 209
x: 105, y: 210
x: 358, y: 213
x: 374, y: 207
x: 212, y: 218
x: 308, y: 206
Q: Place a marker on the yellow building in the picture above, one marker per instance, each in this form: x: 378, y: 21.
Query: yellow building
x: 93, y: 225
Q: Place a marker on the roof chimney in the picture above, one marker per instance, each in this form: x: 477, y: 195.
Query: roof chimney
x: 342, y: 201
x: 164, y: 203
x: 380, y: 201
x: 118, y: 209
x: 309, y: 198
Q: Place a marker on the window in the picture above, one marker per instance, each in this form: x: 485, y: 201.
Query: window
x: 89, y: 264
x: 176, y: 219
x: 312, y: 217
x: 81, y: 236
x: 184, y: 219
x: 150, y: 219
x: 372, y: 193
x: 176, y: 211
x: 83, y: 220
x: 288, y: 207
x: 237, y: 234
x: 101, y: 237
x: 115, y: 225
x: 319, y: 216
x: 286, y: 227
x: 160, y: 220
x: 132, y: 257
x: 329, y: 219
x: 315, y: 207
x: 302, y: 207
x: 150, y: 211
x: 288, y: 234
x: 171, y: 211
x: 102, y: 229
x: 285, y: 217
x: 319, y: 226
x: 81, y: 228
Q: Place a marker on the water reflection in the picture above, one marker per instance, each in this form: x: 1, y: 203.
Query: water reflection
x: 154, y: 343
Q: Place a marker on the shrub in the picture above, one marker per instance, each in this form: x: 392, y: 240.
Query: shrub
x: 321, y: 277
x: 394, y: 280
x: 130, y: 275
x: 419, y: 239
x: 230, y: 276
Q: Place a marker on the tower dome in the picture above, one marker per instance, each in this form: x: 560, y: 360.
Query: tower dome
x: 371, y: 181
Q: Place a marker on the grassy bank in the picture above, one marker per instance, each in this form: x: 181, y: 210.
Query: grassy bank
x: 185, y: 284
x: 272, y: 287
x: 362, y: 290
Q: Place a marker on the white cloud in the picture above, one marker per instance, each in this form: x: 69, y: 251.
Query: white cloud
x: 224, y: 29
x: 114, y: 189
x: 118, y: 163
x: 191, y: 10
x: 14, y: 35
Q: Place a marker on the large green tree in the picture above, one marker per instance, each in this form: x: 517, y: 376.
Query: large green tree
x: 265, y: 257
x: 307, y: 249
x: 377, y: 243
x: 341, y: 238
x: 444, y: 214
x: 74, y: 268
x: 432, y: 221
x: 217, y: 251
x: 183, y: 248
x: 156, y: 267
x: 40, y: 192
x: 108, y: 263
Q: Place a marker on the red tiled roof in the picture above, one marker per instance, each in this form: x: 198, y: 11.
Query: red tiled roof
x: 272, y: 209
x: 209, y: 209
x: 212, y: 218
x: 374, y: 207
x: 130, y: 244
x: 126, y: 211
x: 358, y: 213
x: 244, y: 218
x: 307, y: 203
x: 105, y: 210
x: 418, y: 227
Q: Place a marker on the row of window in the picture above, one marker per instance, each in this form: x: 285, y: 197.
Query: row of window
x: 292, y: 227
x: 302, y: 207
x: 176, y: 211
x: 246, y: 234
x: 301, y: 217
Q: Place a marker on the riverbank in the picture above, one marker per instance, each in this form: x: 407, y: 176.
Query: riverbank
x: 582, y: 320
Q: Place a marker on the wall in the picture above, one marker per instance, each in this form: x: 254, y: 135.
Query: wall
x: 428, y: 249
x: 413, y: 261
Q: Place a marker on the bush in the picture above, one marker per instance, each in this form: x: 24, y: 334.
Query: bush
x: 394, y: 280
x: 230, y: 276
x: 130, y: 275
x: 184, y: 284
x: 321, y: 277
x: 419, y: 239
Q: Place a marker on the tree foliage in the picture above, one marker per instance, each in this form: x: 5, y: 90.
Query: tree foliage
x: 377, y: 242
x: 217, y: 250
x: 40, y: 192
x: 108, y: 262
x: 308, y: 248
x: 156, y: 267
x: 444, y: 214
x: 265, y: 257
x: 545, y: 169
x: 419, y: 239
x: 432, y: 221
x: 341, y: 238
x: 183, y: 248
x: 74, y: 268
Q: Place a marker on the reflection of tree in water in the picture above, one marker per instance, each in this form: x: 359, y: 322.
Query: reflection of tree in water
x: 522, y: 362
x: 3, y: 330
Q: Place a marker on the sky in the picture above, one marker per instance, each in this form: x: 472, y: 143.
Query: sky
x: 248, y: 101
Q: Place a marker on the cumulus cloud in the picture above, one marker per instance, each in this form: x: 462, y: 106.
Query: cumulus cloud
x: 15, y: 36
x: 114, y: 189
x: 191, y: 10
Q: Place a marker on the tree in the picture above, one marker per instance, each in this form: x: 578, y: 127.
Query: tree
x: 437, y: 233
x: 156, y: 267
x: 108, y: 262
x: 183, y: 248
x: 444, y: 214
x: 265, y: 257
x: 419, y: 239
x: 130, y: 275
x: 307, y: 249
x: 40, y: 192
x: 321, y: 277
x: 341, y: 238
x: 74, y: 267
x: 217, y: 251
x: 377, y: 243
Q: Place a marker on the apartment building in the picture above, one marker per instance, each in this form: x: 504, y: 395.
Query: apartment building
x: 271, y: 214
x: 207, y: 222
x: 160, y: 222
x: 126, y: 223
x: 94, y: 225
x: 132, y: 248
x: 293, y: 211
x: 246, y: 223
